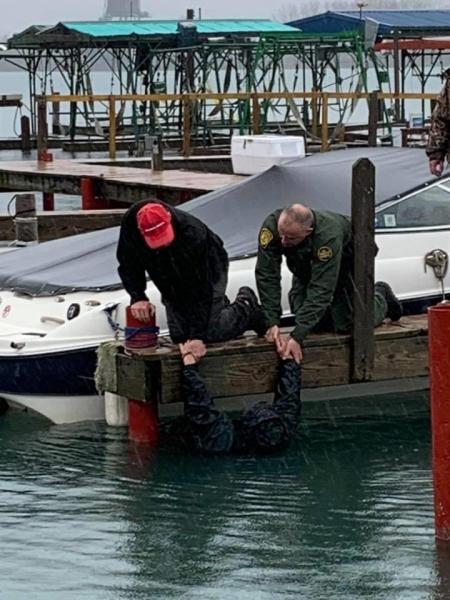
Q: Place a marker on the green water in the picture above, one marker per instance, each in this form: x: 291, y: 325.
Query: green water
x: 346, y: 513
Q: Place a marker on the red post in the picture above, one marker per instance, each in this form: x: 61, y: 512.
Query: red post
x: 48, y: 200
x: 143, y: 420
x: 439, y: 360
x: 89, y: 200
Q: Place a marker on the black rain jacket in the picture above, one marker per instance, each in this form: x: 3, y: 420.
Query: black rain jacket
x: 184, y: 272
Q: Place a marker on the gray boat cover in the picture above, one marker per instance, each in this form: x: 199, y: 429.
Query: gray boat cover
x: 87, y: 262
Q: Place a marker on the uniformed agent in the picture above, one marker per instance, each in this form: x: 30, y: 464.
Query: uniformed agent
x: 189, y: 265
x: 318, y: 247
x: 439, y: 139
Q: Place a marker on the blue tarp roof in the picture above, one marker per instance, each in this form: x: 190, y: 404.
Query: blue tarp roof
x: 160, y: 28
x: 388, y: 20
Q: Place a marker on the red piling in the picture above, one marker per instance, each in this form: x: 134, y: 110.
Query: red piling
x: 48, y: 201
x: 89, y: 199
x: 439, y: 360
x: 143, y: 420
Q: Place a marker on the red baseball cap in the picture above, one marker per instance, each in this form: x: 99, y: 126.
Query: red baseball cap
x: 155, y: 224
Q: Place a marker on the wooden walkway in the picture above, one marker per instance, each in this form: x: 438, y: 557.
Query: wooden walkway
x: 125, y: 184
x: 247, y: 366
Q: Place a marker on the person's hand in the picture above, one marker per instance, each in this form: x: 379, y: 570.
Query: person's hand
x: 292, y: 350
x: 186, y: 355
x: 436, y: 167
x: 142, y: 310
x: 196, y: 347
x: 273, y: 335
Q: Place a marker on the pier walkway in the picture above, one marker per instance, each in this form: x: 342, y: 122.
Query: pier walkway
x: 124, y: 184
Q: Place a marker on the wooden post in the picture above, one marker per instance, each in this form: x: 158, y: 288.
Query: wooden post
x: 314, y: 114
x: 324, y: 127
x: 42, y: 134
x: 157, y: 154
x: 256, y: 115
x: 25, y: 134
x: 56, y: 121
x: 25, y: 220
x: 112, y: 127
x: 186, y: 127
x: 373, y: 119
x: 396, y: 76
x: 363, y: 225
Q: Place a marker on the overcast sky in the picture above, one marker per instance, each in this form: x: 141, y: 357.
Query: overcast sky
x: 16, y: 15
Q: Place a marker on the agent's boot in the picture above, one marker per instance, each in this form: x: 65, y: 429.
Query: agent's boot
x: 257, y: 321
x: 394, y: 307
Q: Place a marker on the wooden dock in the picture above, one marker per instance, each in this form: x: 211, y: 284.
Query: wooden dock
x: 247, y: 366
x: 123, y: 184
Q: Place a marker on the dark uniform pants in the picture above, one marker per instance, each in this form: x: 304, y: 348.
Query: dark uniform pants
x: 263, y: 428
x: 339, y: 317
x: 226, y: 322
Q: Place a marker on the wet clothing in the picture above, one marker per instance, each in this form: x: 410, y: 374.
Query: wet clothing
x: 322, y: 284
x: 439, y: 138
x: 191, y: 274
x: 264, y: 428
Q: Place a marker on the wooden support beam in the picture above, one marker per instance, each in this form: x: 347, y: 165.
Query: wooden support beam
x: 186, y: 127
x: 363, y: 225
x: 112, y: 127
x: 25, y: 134
x: 373, y: 119
x: 25, y: 220
x: 42, y: 131
x: 324, y: 125
x: 256, y: 115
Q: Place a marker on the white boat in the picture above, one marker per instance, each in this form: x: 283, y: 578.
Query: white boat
x: 60, y: 300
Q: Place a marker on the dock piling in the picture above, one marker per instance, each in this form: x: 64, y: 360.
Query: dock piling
x: 25, y: 134
x: 25, y: 220
x: 439, y: 359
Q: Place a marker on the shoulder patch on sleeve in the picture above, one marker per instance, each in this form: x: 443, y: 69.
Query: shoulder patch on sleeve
x: 265, y: 237
x: 324, y: 253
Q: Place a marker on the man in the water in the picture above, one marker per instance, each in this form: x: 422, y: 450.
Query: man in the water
x: 263, y: 429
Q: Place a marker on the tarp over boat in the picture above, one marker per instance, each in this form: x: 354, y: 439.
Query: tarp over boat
x: 87, y: 262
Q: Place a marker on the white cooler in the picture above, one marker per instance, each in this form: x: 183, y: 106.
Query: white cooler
x: 251, y: 154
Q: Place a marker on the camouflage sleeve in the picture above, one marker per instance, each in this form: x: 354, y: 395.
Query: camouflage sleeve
x: 325, y: 267
x: 268, y: 272
x: 439, y: 138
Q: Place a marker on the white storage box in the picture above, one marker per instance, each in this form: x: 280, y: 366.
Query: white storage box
x: 251, y: 154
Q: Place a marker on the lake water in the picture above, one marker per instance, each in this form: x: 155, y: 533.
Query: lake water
x: 345, y: 514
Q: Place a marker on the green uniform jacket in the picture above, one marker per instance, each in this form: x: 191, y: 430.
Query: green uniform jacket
x: 439, y: 139
x: 320, y: 264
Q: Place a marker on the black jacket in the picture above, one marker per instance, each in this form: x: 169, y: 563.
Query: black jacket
x: 184, y: 272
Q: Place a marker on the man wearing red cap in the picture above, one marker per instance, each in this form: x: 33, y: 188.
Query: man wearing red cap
x: 189, y: 265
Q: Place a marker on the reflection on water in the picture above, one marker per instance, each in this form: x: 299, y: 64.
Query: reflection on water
x: 346, y: 513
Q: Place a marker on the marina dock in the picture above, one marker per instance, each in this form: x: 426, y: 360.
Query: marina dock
x: 247, y: 366
x: 122, y: 184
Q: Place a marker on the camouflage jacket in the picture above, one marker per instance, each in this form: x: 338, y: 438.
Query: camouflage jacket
x: 439, y: 139
x: 320, y: 263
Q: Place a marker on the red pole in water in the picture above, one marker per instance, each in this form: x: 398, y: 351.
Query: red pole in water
x: 143, y: 420
x: 439, y: 359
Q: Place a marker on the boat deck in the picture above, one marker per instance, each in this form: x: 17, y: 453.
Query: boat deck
x: 247, y: 366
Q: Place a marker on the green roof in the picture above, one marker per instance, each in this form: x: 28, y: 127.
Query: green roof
x: 105, y: 29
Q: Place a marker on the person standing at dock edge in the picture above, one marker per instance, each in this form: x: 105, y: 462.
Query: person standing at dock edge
x: 318, y: 247
x: 439, y: 139
x: 189, y: 265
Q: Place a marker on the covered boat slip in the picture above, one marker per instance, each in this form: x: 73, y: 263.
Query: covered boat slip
x: 236, y: 212
x: 247, y: 366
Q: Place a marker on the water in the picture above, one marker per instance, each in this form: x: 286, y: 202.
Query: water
x: 346, y: 513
